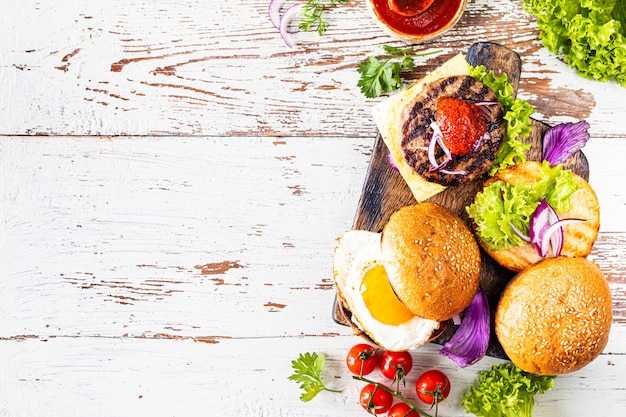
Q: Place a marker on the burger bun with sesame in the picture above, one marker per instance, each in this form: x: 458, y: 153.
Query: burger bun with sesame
x: 555, y: 316
x: 400, y: 287
x: 578, y: 238
x: 432, y: 260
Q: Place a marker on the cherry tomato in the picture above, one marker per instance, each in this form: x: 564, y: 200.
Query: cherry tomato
x: 402, y: 410
x: 432, y: 385
x: 375, y: 400
x: 395, y: 365
x: 362, y: 359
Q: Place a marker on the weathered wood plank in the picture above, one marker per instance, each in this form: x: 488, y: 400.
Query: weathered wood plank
x: 133, y: 267
x: 119, y: 377
x: 177, y: 237
x: 206, y: 68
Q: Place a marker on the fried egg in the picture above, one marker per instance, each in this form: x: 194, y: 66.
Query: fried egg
x: 363, y: 287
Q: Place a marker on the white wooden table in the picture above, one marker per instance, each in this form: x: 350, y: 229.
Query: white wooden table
x: 173, y: 178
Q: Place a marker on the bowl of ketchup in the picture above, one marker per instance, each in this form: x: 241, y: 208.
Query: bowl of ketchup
x: 417, y: 20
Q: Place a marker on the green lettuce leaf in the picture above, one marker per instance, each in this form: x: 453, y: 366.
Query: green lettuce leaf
x: 517, y: 117
x: 619, y: 14
x: 590, y: 35
x: 501, y: 205
x: 505, y: 391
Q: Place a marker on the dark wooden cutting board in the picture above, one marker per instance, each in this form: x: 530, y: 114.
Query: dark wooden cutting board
x: 384, y: 190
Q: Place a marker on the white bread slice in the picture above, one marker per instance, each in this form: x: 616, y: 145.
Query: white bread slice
x: 387, y: 117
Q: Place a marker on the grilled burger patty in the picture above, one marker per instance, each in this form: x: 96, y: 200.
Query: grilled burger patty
x: 418, y: 115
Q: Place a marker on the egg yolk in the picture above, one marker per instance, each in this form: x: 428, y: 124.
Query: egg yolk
x: 380, y: 299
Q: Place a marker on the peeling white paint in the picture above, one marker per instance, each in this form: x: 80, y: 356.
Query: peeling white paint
x: 178, y: 269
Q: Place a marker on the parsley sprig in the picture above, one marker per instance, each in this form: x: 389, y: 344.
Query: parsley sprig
x: 312, y: 14
x: 382, y: 77
x: 308, y: 372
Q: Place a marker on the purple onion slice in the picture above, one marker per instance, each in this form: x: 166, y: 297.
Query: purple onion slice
x: 469, y: 344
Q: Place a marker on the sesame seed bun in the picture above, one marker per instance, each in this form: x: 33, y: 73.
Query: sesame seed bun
x: 555, y: 317
x: 578, y: 238
x: 432, y: 260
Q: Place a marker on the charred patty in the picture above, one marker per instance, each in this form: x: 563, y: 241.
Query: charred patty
x: 416, y: 130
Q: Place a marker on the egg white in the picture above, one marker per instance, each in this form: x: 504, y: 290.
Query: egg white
x: 357, y: 252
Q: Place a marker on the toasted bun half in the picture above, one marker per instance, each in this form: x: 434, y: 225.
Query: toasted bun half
x: 432, y: 260
x: 578, y: 238
x: 555, y: 317
x: 388, y: 114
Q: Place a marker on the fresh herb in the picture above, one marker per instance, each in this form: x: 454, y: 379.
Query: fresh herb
x: 517, y: 117
x: 307, y: 371
x: 312, y: 14
x: 382, y: 77
x: 505, y: 391
x: 590, y: 35
x: 501, y: 205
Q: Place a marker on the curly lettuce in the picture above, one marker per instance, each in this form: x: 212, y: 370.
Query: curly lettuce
x: 517, y: 118
x: 589, y: 34
x: 505, y: 391
x: 502, y: 205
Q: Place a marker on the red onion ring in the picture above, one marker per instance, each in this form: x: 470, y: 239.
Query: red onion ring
x: 553, y: 236
x: 431, y: 152
x: 437, y: 139
x: 290, y: 14
x: 459, y: 172
x: 274, y: 12
x: 540, y: 221
x: 519, y: 233
x: 546, y: 230
x: 391, y: 161
x: 478, y: 143
x: 484, y: 103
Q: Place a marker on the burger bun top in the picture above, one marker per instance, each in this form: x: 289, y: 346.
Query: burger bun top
x: 578, y: 237
x: 432, y: 260
x: 555, y: 316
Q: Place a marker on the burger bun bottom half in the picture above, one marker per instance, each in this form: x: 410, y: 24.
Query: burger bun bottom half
x: 554, y: 317
x: 578, y: 238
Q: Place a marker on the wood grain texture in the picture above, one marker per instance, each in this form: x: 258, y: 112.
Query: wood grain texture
x: 135, y: 267
x: 193, y: 68
x: 128, y: 377
x: 173, y: 181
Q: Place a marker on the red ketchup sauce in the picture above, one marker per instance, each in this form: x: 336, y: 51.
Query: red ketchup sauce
x: 461, y: 123
x: 436, y: 17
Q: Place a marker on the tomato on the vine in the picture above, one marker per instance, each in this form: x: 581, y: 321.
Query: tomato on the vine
x: 395, y: 365
x: 402, y: 410
x: 432, y: 386
x: 375, y: 400
x: 362, y: 359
